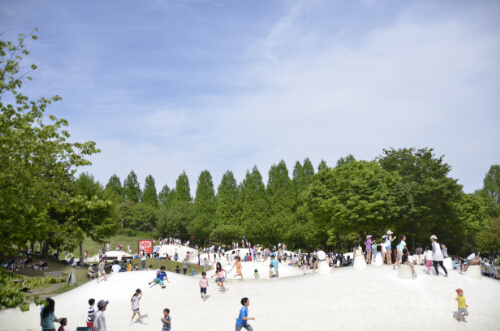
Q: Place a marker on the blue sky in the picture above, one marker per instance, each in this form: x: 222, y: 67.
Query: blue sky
x: 169, y: 86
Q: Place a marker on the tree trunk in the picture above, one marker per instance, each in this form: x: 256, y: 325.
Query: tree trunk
x: 81, y: 253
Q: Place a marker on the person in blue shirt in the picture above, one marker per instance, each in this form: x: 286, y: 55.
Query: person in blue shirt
x: 274, y: 262
x: 241, y: 322
x: 160, y: 275
x: 47, y: 317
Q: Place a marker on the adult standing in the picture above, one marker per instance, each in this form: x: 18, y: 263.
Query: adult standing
x: 185, y: 265
x: 47, y: 317
x: 438, y: 256
x: 143, y: 260
x: 388, y: 246
x: 99, y: 318
x: 101, y: 271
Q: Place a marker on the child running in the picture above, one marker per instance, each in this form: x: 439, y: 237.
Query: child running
x: 135, y: 306
x: 462, y: 307
x: 256, y: 274
x: 166, y: 320
x: 203, y: 285
x: 221, y: 276
x: 242, y: 321
x: 160, y: 275
x: 237, y: 264
x: 428, y: 257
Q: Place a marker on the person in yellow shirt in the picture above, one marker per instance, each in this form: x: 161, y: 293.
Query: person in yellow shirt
x: 462, y: 307
x: 129, y: 266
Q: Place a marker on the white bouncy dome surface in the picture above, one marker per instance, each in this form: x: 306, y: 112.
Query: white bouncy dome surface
x: 341, y: 299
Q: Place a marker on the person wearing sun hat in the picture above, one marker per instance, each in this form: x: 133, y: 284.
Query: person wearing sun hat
x: 438, y: 255
x: 99, y: 318
x: 369, y: 243
x: 388, y: 246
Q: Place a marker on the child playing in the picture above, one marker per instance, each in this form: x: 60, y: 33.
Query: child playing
x: 237, y: 264
x: 221, y: 276
x: 400, y: 247
x: 428, y: 257
x: 241, y: 322
x: 405, y: 260
x: 203, y: 285
x: 64, y: 322
x: 256, y: 274
x: 90, y: 315
x: 160, y: 275
x: 166, y: 320
x: 462, y: 307
x: 135, y: 306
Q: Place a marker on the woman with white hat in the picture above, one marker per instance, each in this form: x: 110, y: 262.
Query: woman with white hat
x: 438, y: 256
x: 388, y: 246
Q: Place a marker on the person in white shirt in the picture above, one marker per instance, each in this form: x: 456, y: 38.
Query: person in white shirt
x: 471, y: 260
x: 116, y: 268
x: 438, y: 256
x: 99, y: 318
x: 428, y: 258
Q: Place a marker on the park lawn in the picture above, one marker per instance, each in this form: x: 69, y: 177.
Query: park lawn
x: 93, y: 247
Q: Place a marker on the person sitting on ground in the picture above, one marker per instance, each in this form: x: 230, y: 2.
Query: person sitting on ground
x: 177, y: 270
x: 43, y: 263
x: 91, y: 274
x: 160, y: 275
x: 472, y: 259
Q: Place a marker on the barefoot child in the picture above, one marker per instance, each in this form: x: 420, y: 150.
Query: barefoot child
x: 203, y: 285
x: 256, y: 274
x: 135, y: 306
x: 241, y: 322
x: 462, y: 307
x: 166, y: 320
x: 237, y: 264
x: 428, y: 257
x: 221, y: 276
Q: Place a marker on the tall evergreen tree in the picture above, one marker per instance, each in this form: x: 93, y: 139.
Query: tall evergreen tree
x: 322, y: 165
x: 163, y: 196
x: 344, y: 160
x: 282, y: 202
x: 255, y: 208
x: 227, y: 200
x: 182, y: 190
x: 114, y: 189
x: 149, y: 196
x: 131, y: 188
x: 204, y: 207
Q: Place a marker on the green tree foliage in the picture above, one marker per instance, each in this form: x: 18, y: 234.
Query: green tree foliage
x: 176, y: 220
x: 434, y: 193
x: 182, y: 189
x: 491, y: 191
x: 149, y: 196
x: 226, y: 233
x: 138, y: 217
x: 114, y: 189
x: 357, y: 197
x: 204, y: 207
x: 37, y: 164
x: 227, y: 201
x: 131, y: 188
x: 163, y: 196
x: 255, y: 208
x: 95, y: 215
x: 489, y: 237
x: 322, y: 165
x: 344, y: 160
x: 282, y: 202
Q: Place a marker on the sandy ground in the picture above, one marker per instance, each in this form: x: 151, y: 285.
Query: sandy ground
x: 343, y: 299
